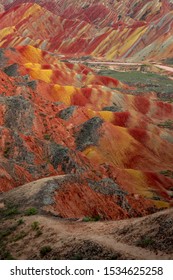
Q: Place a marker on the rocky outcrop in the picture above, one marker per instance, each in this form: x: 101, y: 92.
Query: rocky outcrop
x: 69, y: 196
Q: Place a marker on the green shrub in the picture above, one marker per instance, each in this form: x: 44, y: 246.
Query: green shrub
x: 19, y: 236
x: 77, y: 256
x: 6, y: 255
x: 7, y: 231
x: 20, y: 222
x: 145, y: 241
x: 167, y: 124
x: 31, y: 211
x: 11, y: 212
x: 91, y: 219
x: 167, y: 173
x: 45, y: 250
x: 38, y: 233
x: 35, y: 225
x: 47, y: 137
x: 7, y: 152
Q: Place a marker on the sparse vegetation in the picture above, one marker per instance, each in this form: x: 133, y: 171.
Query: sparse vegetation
x: 47, y: 137
x: 4, y: 237
x: 6, y: 255
x: 9, y: 212
x: 144, y: 241
x: 144, y: 82
x: 167, y: 173
x: 45, y: 250
x: 169, y: 61
x: 7, y: 231
x: 7, y: 149
x: 77, y: 256
x: 38, y: 233
x: 167, y: 124
x: 12, y: 211
x: 6, y: 152
x: 91, y: 219
x: 19, y: 236
x: 31, y: 211
x: 20, y: 222
x: 116, y: 256
x: 35, y: 225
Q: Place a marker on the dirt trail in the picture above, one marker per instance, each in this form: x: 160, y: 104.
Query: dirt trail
x: 164, y: 67
x: 148, y: 237
x: 132, y: 252
x: 104, y: 234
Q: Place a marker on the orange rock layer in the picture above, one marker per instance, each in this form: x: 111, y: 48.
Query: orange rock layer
x: 60, y: 118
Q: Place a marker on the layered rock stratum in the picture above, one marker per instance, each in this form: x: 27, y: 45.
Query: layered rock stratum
x: 109, y: 30
x: 75, y: 143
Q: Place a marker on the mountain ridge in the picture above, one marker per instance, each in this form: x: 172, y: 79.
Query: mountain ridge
x: 86, y: 129
x: 148, y: 39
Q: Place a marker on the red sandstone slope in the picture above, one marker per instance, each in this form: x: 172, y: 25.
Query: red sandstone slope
x: 130, y: 29
x: 116, y: 164
x: 126, y: 8
x: 61, y: 119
